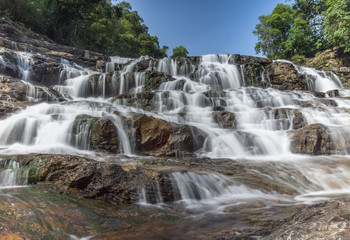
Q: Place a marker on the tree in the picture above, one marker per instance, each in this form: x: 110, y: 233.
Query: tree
x: 273, y: 31
x: 292, y: 30
x: 337, y: 23
x: 97, y: 25
x: 179, y: 52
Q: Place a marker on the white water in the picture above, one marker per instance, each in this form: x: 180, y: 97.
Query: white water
x: 263, y: 117
x: 13, y: 176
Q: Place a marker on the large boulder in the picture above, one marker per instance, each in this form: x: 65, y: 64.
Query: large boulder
x: 99, y: 134
x: 314, y: 139
x: 157, y: 137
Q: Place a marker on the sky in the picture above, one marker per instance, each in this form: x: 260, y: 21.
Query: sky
x: 205, y: 26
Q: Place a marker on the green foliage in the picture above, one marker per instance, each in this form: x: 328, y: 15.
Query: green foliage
x: 337, y: 23
x: 97, y: 25
x: 179, y: 52
x: 273, y: 31
x: 292, y: 30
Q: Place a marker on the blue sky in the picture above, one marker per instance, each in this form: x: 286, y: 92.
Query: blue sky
x: 204, y: 26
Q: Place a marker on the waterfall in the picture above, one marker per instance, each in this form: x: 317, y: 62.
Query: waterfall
x: 319, y: 81
x: 13, y: 175
x: 204, y: 190
x: 206, y: 93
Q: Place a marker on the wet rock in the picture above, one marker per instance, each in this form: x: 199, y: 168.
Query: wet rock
x: 108, y: 82
x: 142, y: 100
x: 254, y: 60
x: 284, y: 76
x: 157, y: 137
x: 101, y: 133
x: 225, y: 119
x: 8, y: 64
x: 329, y: 102
x: 319, y: 94
x: 298, y: 120
x: 314, y: 139
x: 17, y: 37
x: 154, y: 79
x: 45, y: 70
x: 326, y: 220
x: 144, y: 64
x: 104, y: 136
x: 333, y: 93
x: 255, y: 75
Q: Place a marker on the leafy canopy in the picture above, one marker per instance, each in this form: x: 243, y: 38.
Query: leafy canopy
x: 97, y: 25
x: 291, y: 30
x: 179, y: 52
x: 337, y: 23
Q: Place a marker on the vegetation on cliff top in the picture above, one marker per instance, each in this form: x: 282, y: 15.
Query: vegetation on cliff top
x: 97, y: 25
x: 304, y: 28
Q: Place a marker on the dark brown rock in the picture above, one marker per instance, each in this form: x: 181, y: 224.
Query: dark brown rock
x: 284, y: 76
x: 104, y: 136
x: 101, y: 132
x: 314, y: 139
x: 225, y: 119
x: 333, y: 93
x: 158, y: 137
x: 154, y: 79
x: 325, y: 220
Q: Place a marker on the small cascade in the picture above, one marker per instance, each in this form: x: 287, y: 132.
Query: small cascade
x: 130, y: 80
x: 319, y: 81
x: 13, y: 175
x: 74, y: 80
x: 151, y: 195
x: 114, y: 61
x: 175, y: 67
x: 196, y: 191
x: 23, y: 63
x: 219, y: 71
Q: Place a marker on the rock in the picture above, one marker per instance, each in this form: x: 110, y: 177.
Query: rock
x: 254, y: 75
x: 325, y: 220
x: 8, y: 64
x: 319, y: 94
x: 314, y: 139
x: 104, y: 136
x: 225, y: 119
x: 111, y: 85
x: 333, y: 93
x: 144, y: 64
x: 157, y: 137
x: 17, y: 37
x: 254, y: 60
x: 298, y: 120
x: 45, y: 70
x: 101, y: 133
x: 142, y: 100
x: 284, y: 76
x: 154, y: 79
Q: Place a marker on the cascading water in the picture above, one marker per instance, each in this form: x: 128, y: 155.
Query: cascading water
x: 205, y: 190
x: 13, y: 175
x: 200, y: 94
